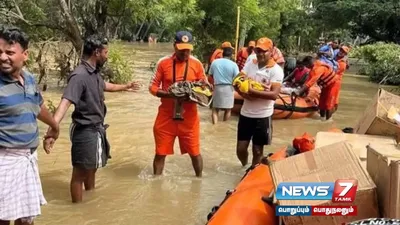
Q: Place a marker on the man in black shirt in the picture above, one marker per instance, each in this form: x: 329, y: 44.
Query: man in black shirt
x: 85, y: 90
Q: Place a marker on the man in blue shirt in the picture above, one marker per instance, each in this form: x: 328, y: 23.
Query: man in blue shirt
x: 21, y: 104
x: 223, y: 71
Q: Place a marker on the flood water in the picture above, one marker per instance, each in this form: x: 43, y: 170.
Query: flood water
x: 127, y: 193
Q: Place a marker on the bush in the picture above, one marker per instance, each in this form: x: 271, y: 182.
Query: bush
x: 383, y: 62
x: 117, y: 69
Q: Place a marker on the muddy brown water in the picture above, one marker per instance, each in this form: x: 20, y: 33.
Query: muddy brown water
x: 127, y: 193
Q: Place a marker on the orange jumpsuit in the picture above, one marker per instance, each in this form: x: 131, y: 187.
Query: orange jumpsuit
x: 241, y: 58
x: 216, y: 55
x: 342, y: 68
x: 165, y: 128
x: 326, y: 78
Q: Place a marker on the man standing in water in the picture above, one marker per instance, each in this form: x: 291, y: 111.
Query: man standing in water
x: 85, y: 90
x: 223, y: 71
x: 324, y: 74
x: 181, y: 66
x: 217, y: 54
x: 20, y: 105
x: 255, y: 121
x: 341, y: 58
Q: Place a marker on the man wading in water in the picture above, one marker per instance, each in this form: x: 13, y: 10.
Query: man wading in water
x: 20, y: 105
x: 223, y: 71
x: 324, y: 74
x: 255, y: 121
x: 85, y: 90
x: 181, y: 66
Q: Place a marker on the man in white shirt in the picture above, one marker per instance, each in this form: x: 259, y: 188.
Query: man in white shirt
x: 255, y: 121
x: 276, y: 55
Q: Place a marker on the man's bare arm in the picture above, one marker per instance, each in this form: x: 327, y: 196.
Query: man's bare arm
x: 61, y: 110
x: 110, y: 87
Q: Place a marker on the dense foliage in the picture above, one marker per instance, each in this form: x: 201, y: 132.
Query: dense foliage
x: 377, y: 19
x: 383, y: 62
x: 117, y: 70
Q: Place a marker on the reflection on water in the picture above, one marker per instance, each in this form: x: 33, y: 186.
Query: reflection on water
x: 127, y: 193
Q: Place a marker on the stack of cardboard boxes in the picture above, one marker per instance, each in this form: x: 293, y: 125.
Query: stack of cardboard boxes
x: 371, y: 155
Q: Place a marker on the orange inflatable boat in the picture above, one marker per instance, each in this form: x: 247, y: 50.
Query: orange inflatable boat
x: 293, y: 107
x: 286, y: 106
x: 244, y: 205
x: 250, y: 203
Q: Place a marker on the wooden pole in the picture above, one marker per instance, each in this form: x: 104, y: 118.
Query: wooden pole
x: 237, y: 31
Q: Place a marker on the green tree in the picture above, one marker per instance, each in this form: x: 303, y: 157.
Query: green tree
x: 379, y: 20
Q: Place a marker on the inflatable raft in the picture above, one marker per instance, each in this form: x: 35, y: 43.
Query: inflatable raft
x: 244, y: 204
x: 286, y: 106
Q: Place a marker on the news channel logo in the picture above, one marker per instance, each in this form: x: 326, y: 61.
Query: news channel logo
x: 341, y: 191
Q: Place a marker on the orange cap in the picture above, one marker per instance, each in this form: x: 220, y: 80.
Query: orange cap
x: 252, y: 44
x: 345, y: 49
x: 227, y: 44
x: 265, y: 44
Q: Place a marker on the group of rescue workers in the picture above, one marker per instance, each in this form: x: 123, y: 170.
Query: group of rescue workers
x: 319, y: 77
x: 22, y: 104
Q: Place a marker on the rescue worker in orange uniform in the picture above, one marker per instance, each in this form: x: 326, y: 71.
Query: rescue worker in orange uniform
x: 244, y: 53
x: 181, y: 66
x: 341, y: 58
x: 325, y: 76
x: 218, y: 52
x: 217, y: 55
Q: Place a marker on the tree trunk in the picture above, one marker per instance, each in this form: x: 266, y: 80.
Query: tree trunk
x: 160, y: 34
x: 39, y: 61
x: 242, y: 36
x: 72, y: 30
x: 147, y: 30
x: 101, y: 17
x: 115, y: 36
x: 138, y: 32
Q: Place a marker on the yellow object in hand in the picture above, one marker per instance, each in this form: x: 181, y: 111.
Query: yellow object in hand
x: 204, y: 91
x: 243, y: 83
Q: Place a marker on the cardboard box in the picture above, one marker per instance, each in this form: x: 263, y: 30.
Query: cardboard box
x: 327, y: 164
x: 374, y: 120
x: 383, y: 164
x: 358, y: 142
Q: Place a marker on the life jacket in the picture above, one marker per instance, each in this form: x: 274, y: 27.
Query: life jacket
x: 304, y: 143
x: 342, y: 62
x: 277, y: 55
x: 242, y: 57
x: 326, y: 79
x: 216, y: 55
